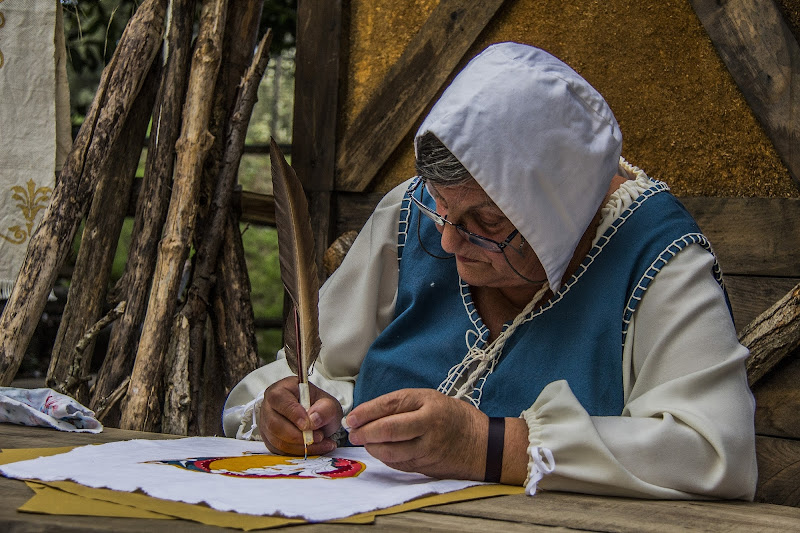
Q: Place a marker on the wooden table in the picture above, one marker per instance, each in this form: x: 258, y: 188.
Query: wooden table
x: 546, y: 510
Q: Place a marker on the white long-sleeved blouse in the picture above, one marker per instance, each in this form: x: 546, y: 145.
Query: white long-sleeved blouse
x: 686, y: 430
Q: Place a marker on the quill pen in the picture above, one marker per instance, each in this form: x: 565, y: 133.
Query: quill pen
x: 298, y: 273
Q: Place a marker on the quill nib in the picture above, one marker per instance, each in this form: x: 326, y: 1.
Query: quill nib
x: 305, y: 401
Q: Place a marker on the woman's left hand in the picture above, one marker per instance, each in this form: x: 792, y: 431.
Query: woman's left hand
x: 422, y: 430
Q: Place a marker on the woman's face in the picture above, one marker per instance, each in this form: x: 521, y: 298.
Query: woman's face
x: 468, y: 205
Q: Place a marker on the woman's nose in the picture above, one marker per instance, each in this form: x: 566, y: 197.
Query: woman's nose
x: 451, y: 239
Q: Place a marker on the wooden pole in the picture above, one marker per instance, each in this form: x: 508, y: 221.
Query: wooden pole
x: 177, y: 401
x: 52, y: 241
x: 241, y: 32
x: 204, y: 276
x: 89, y: 283
x: 396, y: 105
x: 151, y: 211
x: 319, y: 33
x: 141, y: 409
x: 77, y: 376
x: 233, y: 310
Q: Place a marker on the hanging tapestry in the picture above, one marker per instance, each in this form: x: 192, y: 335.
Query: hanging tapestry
x: 34, y: 121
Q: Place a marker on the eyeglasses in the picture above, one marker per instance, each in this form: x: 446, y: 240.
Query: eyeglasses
x: 478, y: 240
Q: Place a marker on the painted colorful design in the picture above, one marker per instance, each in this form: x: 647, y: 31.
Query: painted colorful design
x: 271, y: 466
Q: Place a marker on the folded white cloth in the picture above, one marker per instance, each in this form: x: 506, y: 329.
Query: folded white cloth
x: 48, y: 408
x: 241, y: 476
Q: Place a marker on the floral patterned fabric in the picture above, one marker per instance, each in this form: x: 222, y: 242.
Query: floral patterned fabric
x: 48, y: 408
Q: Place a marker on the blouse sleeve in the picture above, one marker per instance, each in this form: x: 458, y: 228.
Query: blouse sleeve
x: 687, y: 427
x: 355, y: 304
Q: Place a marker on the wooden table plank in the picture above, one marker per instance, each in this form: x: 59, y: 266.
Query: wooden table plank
x: 13, y: 436
x: 505, y: 513
x: 427, y: 521
x: 599, y: 513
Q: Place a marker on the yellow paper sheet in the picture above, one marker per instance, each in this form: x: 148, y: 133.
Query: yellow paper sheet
x: 46, y: 501
x: 49, y: 500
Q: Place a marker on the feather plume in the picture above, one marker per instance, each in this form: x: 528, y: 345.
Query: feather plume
x: 298, y: 265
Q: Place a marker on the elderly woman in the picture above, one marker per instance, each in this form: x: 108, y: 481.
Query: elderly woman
x: 529, y: 309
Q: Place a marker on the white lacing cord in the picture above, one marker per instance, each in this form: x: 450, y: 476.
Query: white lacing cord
x: 538, y: 468
x: 446, y: 386
x: 249, y: 414
x: 485, y: 357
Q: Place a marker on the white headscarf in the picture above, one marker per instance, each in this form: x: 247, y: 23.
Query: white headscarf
x: 540, y: 141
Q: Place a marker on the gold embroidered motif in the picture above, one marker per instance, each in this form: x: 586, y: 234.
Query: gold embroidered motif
x: 31, y: 201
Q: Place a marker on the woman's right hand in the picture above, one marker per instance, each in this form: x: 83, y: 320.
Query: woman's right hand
x: 282, y: 420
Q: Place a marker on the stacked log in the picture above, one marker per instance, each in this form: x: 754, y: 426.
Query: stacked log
x: 183, y: 328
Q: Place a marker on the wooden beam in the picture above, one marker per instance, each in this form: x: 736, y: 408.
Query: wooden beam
x: 408, y: 88
x: 251, y: 207
x: 752, y: 295
x: 777, y: 397
x: 751, y: 236
x: 747, y: 234
x: 319, y: 30
x: 778, y: 471
x: 255, y: 208
x: 762, y: 55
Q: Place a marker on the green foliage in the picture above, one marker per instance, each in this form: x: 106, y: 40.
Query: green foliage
x: 281, y: 16
x: 93, y: 28
x: 263, y: 267
x: 121, y: 255
x: 272, y: 114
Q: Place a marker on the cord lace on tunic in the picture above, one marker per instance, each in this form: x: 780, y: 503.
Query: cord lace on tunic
x: 465, y: 380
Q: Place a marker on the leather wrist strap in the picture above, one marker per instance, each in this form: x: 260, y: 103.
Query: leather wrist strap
x: 494, y: 449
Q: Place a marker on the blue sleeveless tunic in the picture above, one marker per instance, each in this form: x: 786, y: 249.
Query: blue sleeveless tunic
x: 577, y: 335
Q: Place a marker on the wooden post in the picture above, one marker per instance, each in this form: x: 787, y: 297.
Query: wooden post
x: 241, y: 32
x: 319, y: 29
x: 141, y: 409
x: 195, y: 311
x: 233, y: 310
x: 89, y: 284
x: 177, y: 400
x: 151, y: 211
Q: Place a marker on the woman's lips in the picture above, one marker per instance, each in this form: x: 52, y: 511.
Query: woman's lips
x: 462, y: 259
